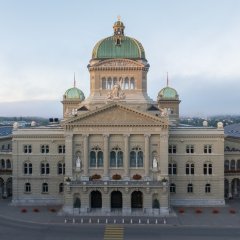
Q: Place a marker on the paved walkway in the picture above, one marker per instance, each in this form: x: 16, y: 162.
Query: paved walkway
x: 227, y: 216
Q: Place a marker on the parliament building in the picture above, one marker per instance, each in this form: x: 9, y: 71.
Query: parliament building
x: 118, y: 150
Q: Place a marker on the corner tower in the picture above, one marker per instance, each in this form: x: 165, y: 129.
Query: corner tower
x: 72, y: 98
x: 118, y: 71
x: 168, y: 99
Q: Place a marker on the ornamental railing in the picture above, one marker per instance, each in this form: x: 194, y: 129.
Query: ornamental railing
x: 122, y: 183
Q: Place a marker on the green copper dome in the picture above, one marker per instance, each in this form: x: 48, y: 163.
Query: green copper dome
x: 168, y: 93
x: 74, y: 94
x: 118, y: 46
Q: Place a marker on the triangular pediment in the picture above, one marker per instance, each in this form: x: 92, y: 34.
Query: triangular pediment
x: 115, y: 114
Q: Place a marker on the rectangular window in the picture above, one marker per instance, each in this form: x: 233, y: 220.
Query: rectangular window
x: 27, y: 148
x: 44, y: 149
x: 172, y: 149
x: 190, y: 188
x: 61, y: 149
x: 190, y: 149
x: 207, y: 148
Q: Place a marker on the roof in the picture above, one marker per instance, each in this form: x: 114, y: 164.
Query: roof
x: 129, y: 48
x: 118, y: 46
x: 74, y: 93
x: 232, y: 130
x: 5, y: 131
x: 168, y: 93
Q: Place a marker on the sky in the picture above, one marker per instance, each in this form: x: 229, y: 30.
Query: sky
x: 43, y: 43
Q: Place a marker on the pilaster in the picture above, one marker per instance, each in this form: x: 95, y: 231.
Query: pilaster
x: 69, y: 154
x: 146, y: 159
x: 126, y: 156
x: 106, y: 156
x: 85, y: 157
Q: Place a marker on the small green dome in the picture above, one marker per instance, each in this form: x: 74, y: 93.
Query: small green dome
x: 74, y: 94
x: 168, y: 93
x: 118, y: 46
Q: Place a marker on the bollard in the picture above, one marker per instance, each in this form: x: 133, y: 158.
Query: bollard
x: 123, y: 220
x: 73, y: 221
x: 106, y: 220
x: 81, y: 220
x: 131, y: 221
x: 65, y: 220
x: 147, y: 221
x: 90, y: 220
x: 114, y: 221
x: 139, y: 221
x: 164, y: 221
x: 156, y: 222
x: 98, y: 220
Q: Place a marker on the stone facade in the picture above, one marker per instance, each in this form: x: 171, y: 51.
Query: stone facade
x: 120, y: 151
x: 5, y: 166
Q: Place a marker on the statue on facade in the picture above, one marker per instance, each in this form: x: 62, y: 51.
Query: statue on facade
x: 78, y: 163
x: 155, y: 163
x: 164, y: 112
x: 116, y: 93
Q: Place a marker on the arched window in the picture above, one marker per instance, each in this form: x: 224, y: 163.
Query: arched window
x: 45, y: 169
x: 190, y: 188
x: 9, y: 165
x: 109, y: 83
x: 27, y: 187
x: 61, y: 188
x: 136, y: 157
x: 126, y: 83
x: 207, y: 168
x: 27, y: 168
x: 233, y: 165
x: 45, y: 188
x: 226, y: 165
x: 190, y: 169
x: 3, y: 164
x: 61, y: 168
x: 172, y: 168
x: 104, y: 83
x: 96, y: 157
x: 208, y: 188
x: 172, y: 188
x: 116, y: 157
x: 132, y: 83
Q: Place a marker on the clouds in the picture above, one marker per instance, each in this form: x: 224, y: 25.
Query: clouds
x: 42, y: 44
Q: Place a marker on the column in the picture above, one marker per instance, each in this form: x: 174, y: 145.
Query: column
x: 85, y: 157
x: 146, y: 158
x: 106, y: 156
x: 164, y: 153
x: 69, y: 155
x: 230, y: 189
x: 126, y: 156
x: 235, y: 187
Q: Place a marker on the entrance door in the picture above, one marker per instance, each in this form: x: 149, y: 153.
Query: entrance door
x: 116, y: 199
x: 96, y: 199
x: 137, y: 199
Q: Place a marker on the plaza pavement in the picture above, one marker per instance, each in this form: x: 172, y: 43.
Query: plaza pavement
x: 227, y: 216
